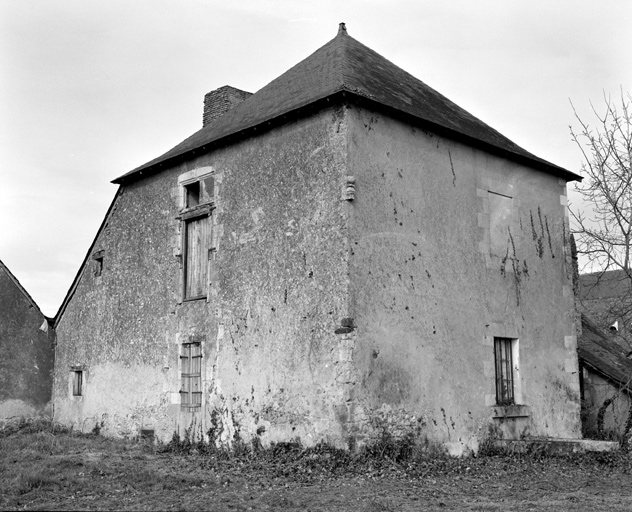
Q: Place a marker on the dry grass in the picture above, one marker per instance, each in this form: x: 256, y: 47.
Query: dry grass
x: 44, y: 467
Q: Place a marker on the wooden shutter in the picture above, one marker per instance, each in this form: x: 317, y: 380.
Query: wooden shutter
x: 197, y: 243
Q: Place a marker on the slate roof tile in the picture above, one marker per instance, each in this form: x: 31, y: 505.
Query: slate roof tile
x: 346, y: 65
x: 604, y: 354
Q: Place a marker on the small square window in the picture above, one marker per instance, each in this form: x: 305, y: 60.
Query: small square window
x: 505, y: 378
x: 77, y: 383
x: 199, y: 192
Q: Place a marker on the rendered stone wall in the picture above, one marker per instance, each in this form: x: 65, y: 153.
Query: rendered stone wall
x: 26, y: 354
x: 362, y: 270
x: 279, y: 291
x: 436, y: 275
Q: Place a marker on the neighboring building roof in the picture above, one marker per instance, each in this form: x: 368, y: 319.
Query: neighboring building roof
x: 20, y: 287
x: 604, y: 355
x: 346, y: 67
x: 604, y: 285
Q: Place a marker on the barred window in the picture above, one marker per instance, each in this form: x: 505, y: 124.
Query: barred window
x: 191, y: 364
x: 504, y: 357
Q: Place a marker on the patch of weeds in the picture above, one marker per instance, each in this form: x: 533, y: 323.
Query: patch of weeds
x: 240, y: 447
x: 32, y: 426
x: 180, y: 445
x: 488, y: 447
x: 27, y: 482
x: 96, y: 430
x: 386, y: 446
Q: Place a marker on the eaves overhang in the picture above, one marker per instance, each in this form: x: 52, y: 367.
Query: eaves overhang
x: 343, y: 95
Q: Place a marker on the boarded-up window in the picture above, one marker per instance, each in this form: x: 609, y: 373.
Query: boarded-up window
x: 191, y: 364
x: 503, y: 355
x: 197, y: 236
x: 77, y: 383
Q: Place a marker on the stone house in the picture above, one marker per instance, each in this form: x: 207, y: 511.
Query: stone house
x: 605, y: 379
x: 344, y: 251
x: 26, y: 352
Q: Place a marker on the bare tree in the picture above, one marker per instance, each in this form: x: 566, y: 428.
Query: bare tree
x: 605, y: 236
x: 603, y: 231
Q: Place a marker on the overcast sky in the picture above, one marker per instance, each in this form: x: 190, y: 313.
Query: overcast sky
x: 91, y: 89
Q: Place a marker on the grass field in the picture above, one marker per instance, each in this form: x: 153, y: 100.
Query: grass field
x: 45, y: 467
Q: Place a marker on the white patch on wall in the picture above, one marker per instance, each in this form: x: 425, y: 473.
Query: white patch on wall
x: 570, y: 342
x: 500, y: 221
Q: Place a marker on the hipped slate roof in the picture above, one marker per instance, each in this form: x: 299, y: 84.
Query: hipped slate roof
x: 603, y: 354
x: 346, y: 66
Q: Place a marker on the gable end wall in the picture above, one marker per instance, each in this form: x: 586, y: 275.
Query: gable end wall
x: 278, y: 292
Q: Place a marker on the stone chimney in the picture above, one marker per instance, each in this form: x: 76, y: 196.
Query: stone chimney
x: 220, y: 101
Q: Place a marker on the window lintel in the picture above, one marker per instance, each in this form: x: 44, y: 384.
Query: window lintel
x: 197, y: 211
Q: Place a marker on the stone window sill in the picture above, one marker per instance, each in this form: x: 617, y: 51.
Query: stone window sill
x: 510, y: 411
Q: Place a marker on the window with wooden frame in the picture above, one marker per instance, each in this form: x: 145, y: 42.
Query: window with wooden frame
x: 191, y: 374
x: 196, y: 217
x: 505, y: 378
x: 77, y: 383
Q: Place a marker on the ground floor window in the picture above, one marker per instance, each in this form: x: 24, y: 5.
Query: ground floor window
x: 191, y: 364
x: 77, y: 383
x: 505, y: 360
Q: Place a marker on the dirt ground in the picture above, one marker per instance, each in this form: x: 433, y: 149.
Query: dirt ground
x: 60, y: 471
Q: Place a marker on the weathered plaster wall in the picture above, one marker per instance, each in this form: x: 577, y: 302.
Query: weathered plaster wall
x: 362, y: 269
x: 596, y: 391
x: 282, y: 281
x: 26, y: 354
x: 436, y: 274
x: 278, y: 292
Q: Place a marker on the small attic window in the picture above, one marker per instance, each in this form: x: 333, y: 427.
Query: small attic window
x: 98, y: 262
x: 199, y: 192
x: 193, y: 194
